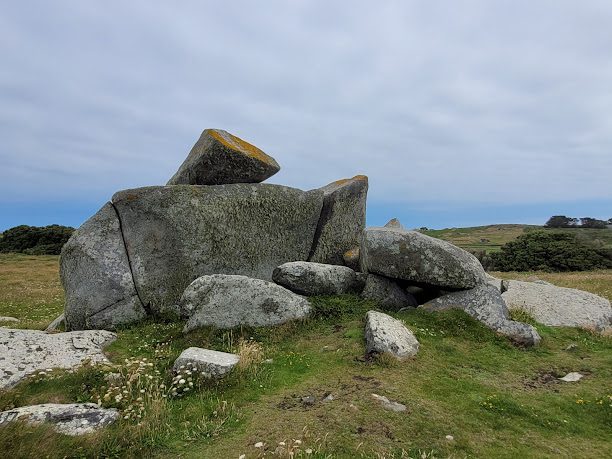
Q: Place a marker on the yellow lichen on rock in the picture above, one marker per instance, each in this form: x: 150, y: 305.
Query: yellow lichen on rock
x: 236, y: 143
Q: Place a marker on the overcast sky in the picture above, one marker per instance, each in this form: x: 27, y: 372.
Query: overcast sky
x: 461, y: 113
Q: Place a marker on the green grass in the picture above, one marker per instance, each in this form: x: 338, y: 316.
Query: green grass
x: 495, y: 399
x: 492, y: 237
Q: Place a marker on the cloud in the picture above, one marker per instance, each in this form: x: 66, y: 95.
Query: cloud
x: 470, y: 102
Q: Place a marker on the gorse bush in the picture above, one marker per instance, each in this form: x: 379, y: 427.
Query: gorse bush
x: 544, y: 251
x: 35, y: 240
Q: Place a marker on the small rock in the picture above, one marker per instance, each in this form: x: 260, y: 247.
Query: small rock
x: 571, y: 347
x: 210, y: 364
x: 383, y: 334
x: 259, y: 444
x: 268, y: 361
x: 450, y: 438
x: 388, y: 404
x: 308, y: 400
x: 113, y: 378
x: 572, y: 377
x: 8, y: 319
x: 329, y: 398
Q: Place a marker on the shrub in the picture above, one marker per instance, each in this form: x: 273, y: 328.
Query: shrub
x: 544, y: 251
x: 35, y: 240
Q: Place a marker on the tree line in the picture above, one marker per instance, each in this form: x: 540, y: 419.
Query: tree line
x: 562, y: 221
x: 35, y: 240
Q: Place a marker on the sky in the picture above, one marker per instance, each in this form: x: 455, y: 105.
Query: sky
x: 461, y: 113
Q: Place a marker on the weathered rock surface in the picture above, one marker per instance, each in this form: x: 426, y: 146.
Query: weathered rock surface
x: 56, y: 324
x: 307, y: 278
x: 383, y: 334
x: 387, y: 293
x: 559, y: 306
x: 227, y: 301
x: 495, y: 282
x: 351, y: 259
x: 175, y: 234
x: 68, y: 419
x: 342, y: 220
x: 96, y: 276
x: 219, y: 157
x: 394, y: 223
x: 210, y: 364
x: 7, y: 319
x: 412, y: 256
x: 485, y: 304
x: 23, y: 352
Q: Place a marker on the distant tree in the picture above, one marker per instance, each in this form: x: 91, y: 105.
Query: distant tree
x: 561, y: 221
x: 588, y: 222
x: 35, y: 240
x: 609, y: 221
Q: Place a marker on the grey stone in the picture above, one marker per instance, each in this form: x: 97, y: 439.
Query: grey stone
x: 351, y: 259
x: 572, y: 377
x: 56, y: 324
x: 25, y: 352
x: 342, y: 220
x: 495, y: 282
x: 307, y: 278
x: 96, y: 276
x: 8, y: 319
x: 175, y: 234
x: 485, y: 304
x: 227, y: 301
x: 387, y: 294
x: 384, y: 334
x: 559, y: 306
x: 394, y: 223
x: 388, y: 404
x: 412, y: 256
x: 219, y: 157
x: 69, y: 419
x: 210, y: 364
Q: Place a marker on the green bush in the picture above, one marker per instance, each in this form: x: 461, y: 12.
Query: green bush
x: 546, y: 251
x: 35, y: 240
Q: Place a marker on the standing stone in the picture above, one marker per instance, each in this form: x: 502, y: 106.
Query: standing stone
x: 95, y: 272
x: 384, y: 334
x: 342, y: 220
x: 68, y: 419
x: 485, y: 304
x: 175, y: 234
x: 228, y: 301
x: 210, y: 364
x: 387, y: 294
x: 219, y: 157
x: 412, y: 256
x: 558, y: 306
x: 394, y: 223
x: 308, y: 278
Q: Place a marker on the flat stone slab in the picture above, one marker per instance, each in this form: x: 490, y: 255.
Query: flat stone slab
x: 219, y: 157
x: 384, y: 334
x: 558, y: 306
x: 228, y: 301
x: 308, y: 278
x: 68, y: 419
x: 24, y: 352
x: 210, y: 364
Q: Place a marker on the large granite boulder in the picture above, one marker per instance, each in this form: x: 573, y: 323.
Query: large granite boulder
x: 219, y: 157
x: 69, y: 419
x: 96, y: 275
x: 415, y: 257
x: 308, y: 278
x: 207, y: 363
x: 485, y: 304
x: 387, y: 294
x: 559, y: 306
x: 384, y: 334
x: 25, y: 352
x: 175, y: 234
x: 342, y: 220
x: 227, y: 301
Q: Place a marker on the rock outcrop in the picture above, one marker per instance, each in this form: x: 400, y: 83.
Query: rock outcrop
x: 24, y: 352
x: 69, y: 419
x: 207, y: 363
x: 387, y: 294
x: 219, y: 158
x: 309, y: 279
x: 559, y: 306
x: 342, y: 220
x: 384, y: 334
x: 415, y: 257
x: 485, y: 304
x: 228, y: 301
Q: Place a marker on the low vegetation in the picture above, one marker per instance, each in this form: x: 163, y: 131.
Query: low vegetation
x: 494, y: 399
x: 35, y: 240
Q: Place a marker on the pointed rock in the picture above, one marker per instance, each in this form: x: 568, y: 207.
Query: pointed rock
x: 394, y: 223
x: 219, y: 157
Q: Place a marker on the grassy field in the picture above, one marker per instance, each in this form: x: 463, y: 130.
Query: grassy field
x: 490, y: 238
x: 496, y: 400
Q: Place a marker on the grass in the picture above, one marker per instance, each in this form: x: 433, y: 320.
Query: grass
x: 496, y: 400
x: 492, y: 237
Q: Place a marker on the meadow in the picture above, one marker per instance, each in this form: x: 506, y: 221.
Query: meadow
x: 305, y: 389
